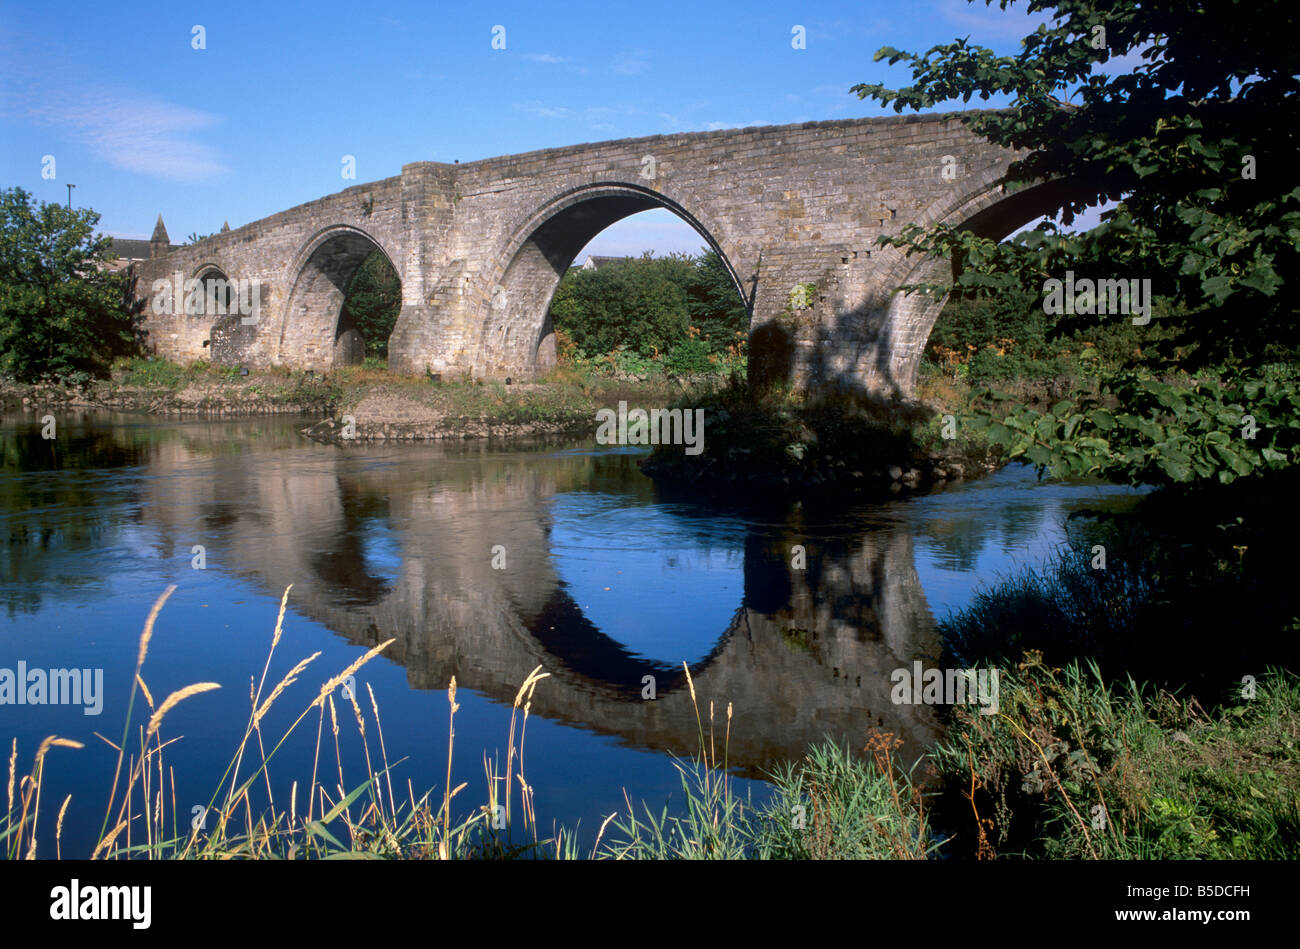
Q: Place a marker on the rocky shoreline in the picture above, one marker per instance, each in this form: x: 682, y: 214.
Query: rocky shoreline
x: 337, y: 431
x: 206, y: 400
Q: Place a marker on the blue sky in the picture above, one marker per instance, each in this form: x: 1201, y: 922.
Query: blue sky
x: 260, y: 119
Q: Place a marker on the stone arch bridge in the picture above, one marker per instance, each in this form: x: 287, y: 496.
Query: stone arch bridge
x: 480, y: 247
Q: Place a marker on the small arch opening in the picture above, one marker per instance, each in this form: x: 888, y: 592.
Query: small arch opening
x: 321, y: 330
x: 371, y: 304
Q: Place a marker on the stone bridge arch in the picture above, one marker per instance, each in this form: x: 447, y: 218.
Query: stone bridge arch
x: 227, y: 338
x: 986, y: 209
x: 314, y: 330
x: 214, y: 283
x: 516, y: 336
x: 208, y: 268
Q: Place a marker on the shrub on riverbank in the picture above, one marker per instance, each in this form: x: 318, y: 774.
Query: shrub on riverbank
x: 1072, y: 767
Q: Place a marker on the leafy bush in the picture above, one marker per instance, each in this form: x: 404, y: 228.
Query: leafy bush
x: 149, y: 373
x: 60, y: 313
x: 1160, y: 433
x: 650, y: 306
x: 689, y: 357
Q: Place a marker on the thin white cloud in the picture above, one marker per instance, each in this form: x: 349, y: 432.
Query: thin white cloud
x: 990, y: 24
x: 137, y: 133
x: 719, y: 126
x: 834, y: 90
x: 632, y: 62
x: 547, y: 58
x: 542, y: 111
x: 132, y: 131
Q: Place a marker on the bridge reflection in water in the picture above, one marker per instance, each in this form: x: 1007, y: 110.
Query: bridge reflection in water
x: 397, y: 542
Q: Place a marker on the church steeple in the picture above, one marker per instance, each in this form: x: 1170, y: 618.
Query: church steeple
x: 160, y: 243
x: 225, y: 226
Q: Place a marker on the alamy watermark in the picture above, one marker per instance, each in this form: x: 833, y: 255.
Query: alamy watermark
x: 212, y: 296
x: 656, y: 427
x: 918, y: 686
x: 77, y: 902
x: 23, y: 686
x: 1100, y: 297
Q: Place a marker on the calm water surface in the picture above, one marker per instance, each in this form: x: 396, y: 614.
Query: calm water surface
x: 605, y: 581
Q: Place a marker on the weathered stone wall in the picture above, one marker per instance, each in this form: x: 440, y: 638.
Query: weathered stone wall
x: 480, y: 247
x: 301, y: 259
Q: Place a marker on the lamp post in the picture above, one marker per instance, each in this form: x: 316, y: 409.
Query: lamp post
x: 70, y: 187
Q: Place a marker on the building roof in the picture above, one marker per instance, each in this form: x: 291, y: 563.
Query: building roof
x: 595, y: 262
x: 127, y: 249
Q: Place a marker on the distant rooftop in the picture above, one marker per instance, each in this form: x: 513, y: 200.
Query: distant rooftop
x: 127, y: 250
x: 595, y: 262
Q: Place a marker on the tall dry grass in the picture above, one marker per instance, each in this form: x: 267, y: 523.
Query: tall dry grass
x: 242, y: 818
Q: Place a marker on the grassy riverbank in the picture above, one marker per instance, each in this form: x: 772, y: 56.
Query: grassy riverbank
x: 382, y: 404
x: 782, y: 440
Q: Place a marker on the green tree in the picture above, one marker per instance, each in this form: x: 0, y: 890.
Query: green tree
x: 640, y: 304
x: 652, y: 306
x: 1195, y: 145
x: 716, y: 308
x: 60, y: 313
x: 373, y: 301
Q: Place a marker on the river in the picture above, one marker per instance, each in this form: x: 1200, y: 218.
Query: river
x: 482, y: 562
